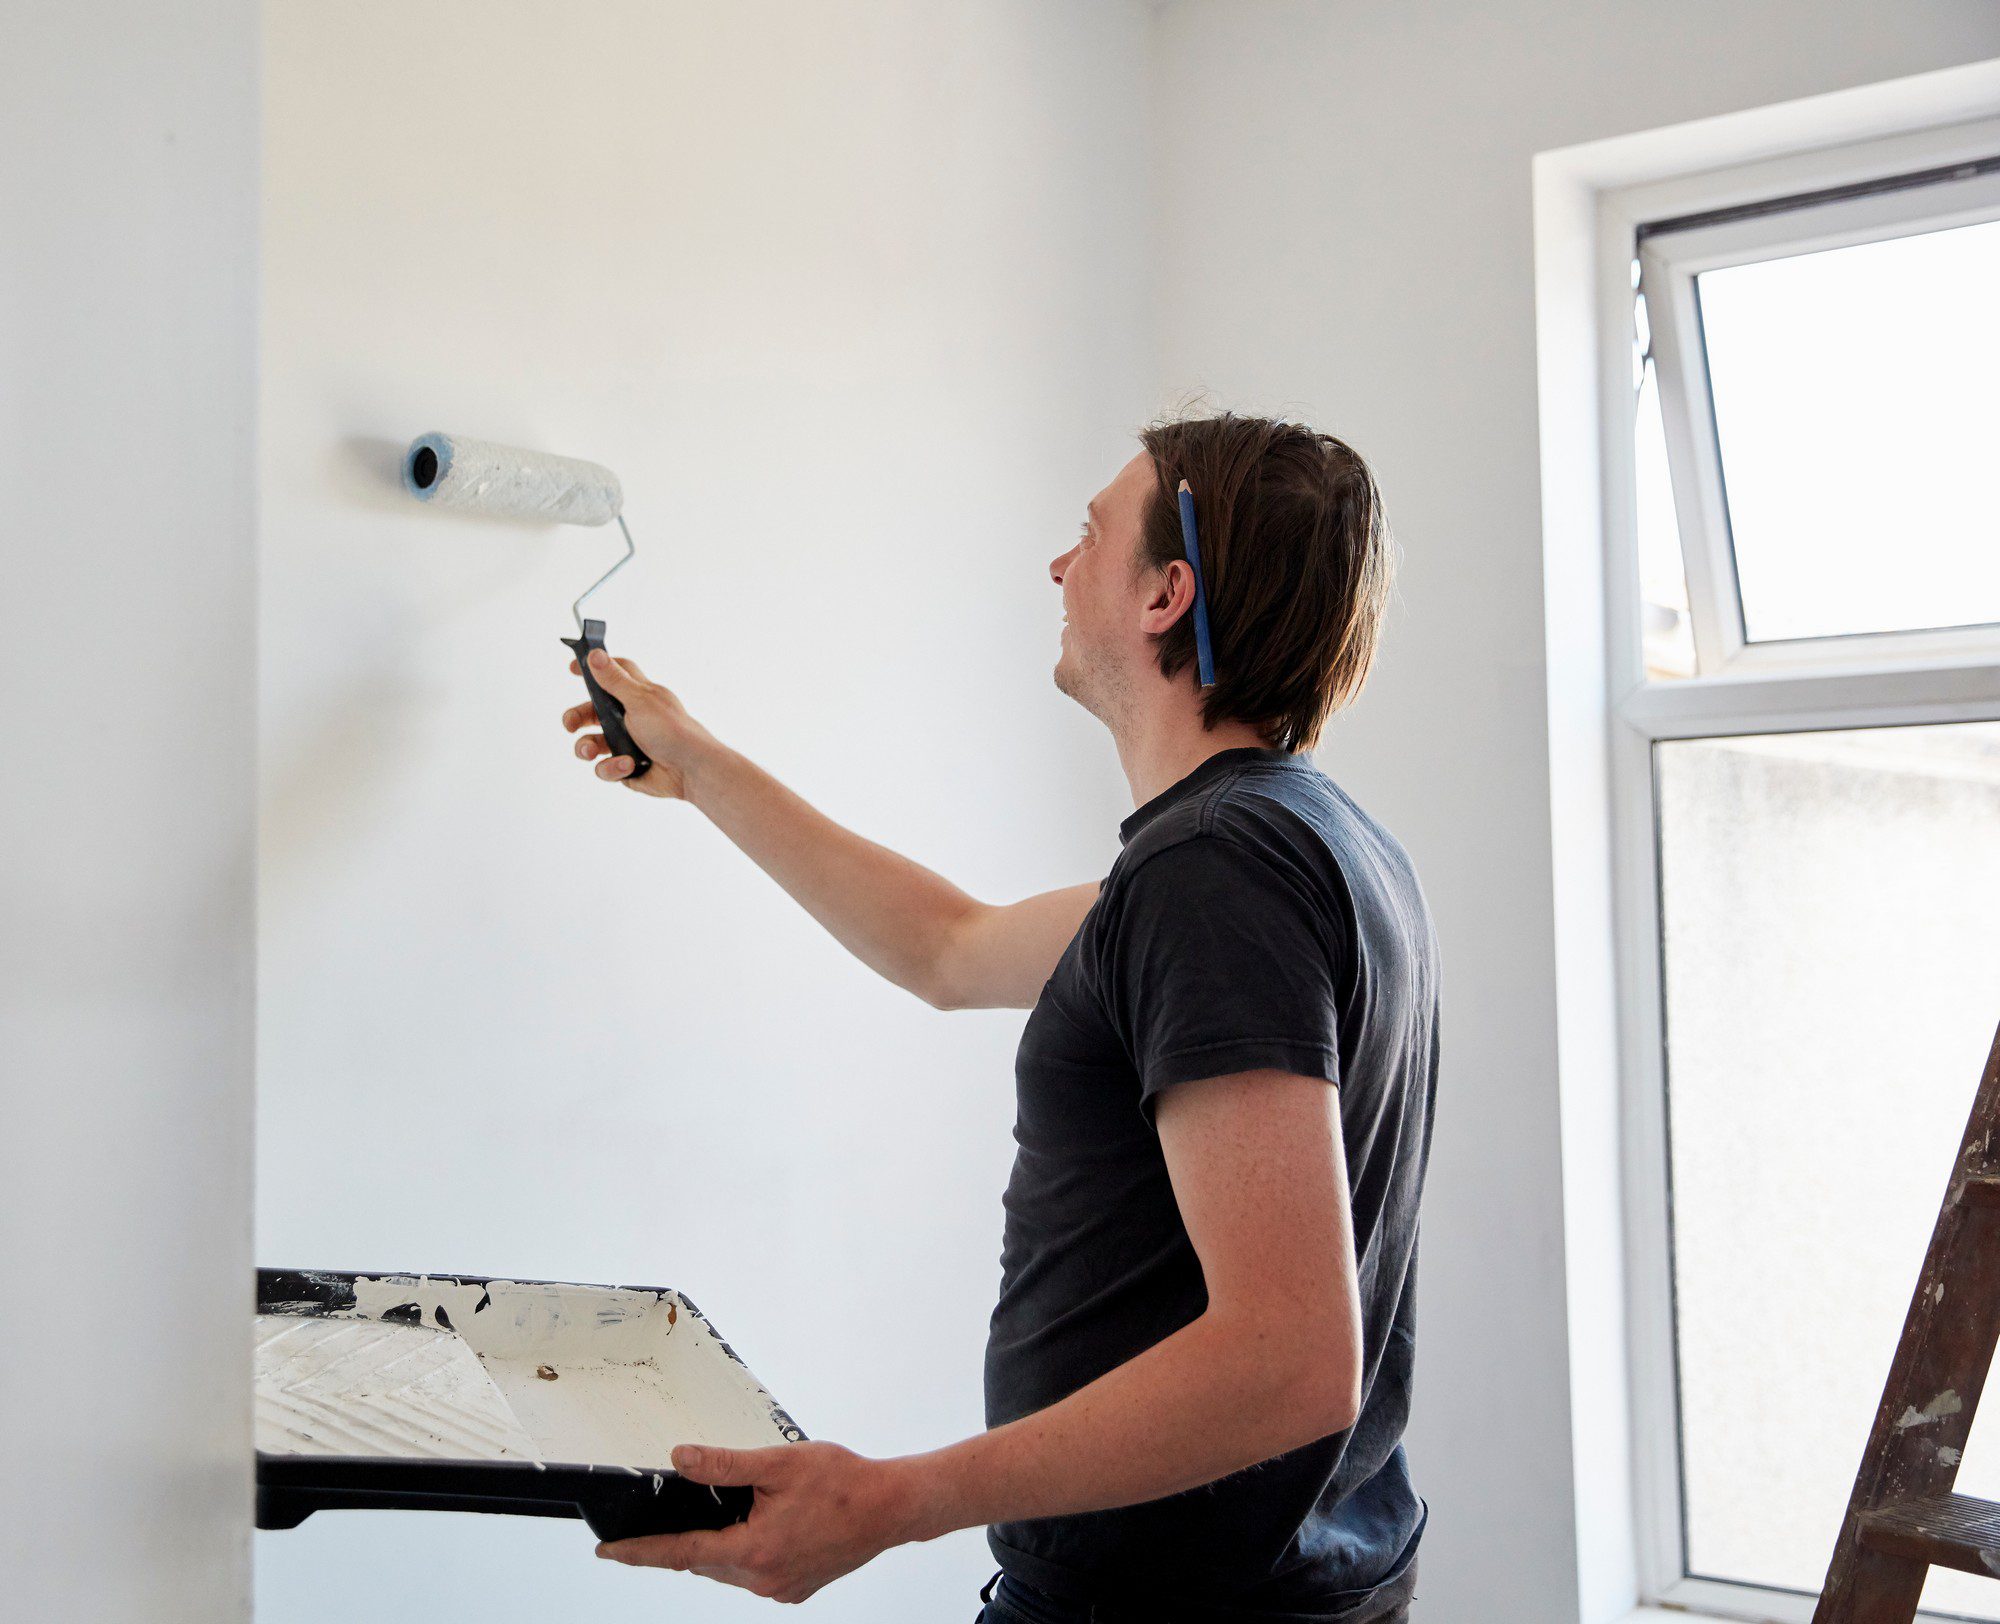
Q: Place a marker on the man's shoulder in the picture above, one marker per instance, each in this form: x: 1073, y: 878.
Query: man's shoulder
x: 1273, y: 812
x: 1273, y: 832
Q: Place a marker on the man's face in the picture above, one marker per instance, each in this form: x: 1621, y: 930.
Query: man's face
x: 1104, y: 646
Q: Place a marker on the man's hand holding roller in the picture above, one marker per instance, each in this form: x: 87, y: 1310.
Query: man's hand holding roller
x: 658, y: 722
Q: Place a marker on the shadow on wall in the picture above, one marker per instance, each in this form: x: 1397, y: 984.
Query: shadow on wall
x: 369, y: 732
x: 368, y: 469
x: 357, y: 755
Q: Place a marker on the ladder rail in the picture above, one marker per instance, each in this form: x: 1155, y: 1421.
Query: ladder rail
x: 1902, y: 1515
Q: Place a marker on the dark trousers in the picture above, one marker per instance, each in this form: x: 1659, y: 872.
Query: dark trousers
x: 1008, y: 1601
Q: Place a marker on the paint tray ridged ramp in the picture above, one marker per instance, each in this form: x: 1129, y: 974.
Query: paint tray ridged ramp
x: 463, y: 1393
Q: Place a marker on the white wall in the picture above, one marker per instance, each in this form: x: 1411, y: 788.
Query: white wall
x: 1345, y: 232
x: 853, y: 299
x: 127, y: 275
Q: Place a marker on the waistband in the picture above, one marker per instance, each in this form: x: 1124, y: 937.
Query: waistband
x: 1046, y: 1594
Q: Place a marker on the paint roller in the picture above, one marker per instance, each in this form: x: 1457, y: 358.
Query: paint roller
x: 509, y: 482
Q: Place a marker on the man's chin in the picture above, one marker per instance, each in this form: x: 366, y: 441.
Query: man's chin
x: 1070, y: 685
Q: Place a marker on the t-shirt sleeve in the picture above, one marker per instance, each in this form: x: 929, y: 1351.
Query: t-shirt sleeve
x: 1219, y: 961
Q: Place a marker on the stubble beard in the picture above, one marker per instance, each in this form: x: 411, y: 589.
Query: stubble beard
x: 1089, y: 684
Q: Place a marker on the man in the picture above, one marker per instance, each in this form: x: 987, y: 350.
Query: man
x: 1198, y: 1373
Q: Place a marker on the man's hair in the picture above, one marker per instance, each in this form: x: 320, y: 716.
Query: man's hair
x: 1295, y: 560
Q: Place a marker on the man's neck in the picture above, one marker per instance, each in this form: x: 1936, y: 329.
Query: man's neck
x: 1159, y: 749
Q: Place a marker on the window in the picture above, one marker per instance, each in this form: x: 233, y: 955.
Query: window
x: 1829, y: 390
x: 1804, y: 602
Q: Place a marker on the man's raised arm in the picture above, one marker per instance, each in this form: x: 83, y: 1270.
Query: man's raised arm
x: 906, y: 923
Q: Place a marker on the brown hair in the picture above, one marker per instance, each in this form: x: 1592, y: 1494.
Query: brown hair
x: 1295, y: 560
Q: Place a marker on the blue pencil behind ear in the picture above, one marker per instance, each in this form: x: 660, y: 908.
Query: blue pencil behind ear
x: 1204, y: 653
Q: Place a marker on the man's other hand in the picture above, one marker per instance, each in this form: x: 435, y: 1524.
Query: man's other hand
x: 820, y: 1511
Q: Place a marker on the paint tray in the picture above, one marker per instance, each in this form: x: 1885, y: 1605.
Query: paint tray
x: 462, y: 1393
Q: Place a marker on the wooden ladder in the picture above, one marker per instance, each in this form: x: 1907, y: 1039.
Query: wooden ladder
x: 1903, y: 1518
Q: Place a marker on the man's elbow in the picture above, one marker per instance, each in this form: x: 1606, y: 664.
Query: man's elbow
x: 1343, y: 1406
x: 942, y: 983
x: 946, y: 978
x: 941, y: 994
x: 1322, y: 1387
x: 1306, y: 1377
x: 1325, y: 1394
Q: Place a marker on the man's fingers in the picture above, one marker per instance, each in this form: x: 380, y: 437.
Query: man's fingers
x: 710, y: 1547
x: 738, y: 1468
x: 625, y: 682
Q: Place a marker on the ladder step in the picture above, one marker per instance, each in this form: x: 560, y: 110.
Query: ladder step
x: 1947, y: 1530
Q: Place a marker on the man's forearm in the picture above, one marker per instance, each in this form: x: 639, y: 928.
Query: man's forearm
x: 894, y: 915
x: 1206, y: 1401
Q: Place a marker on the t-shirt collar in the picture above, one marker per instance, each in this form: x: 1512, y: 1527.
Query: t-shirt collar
x: 1212, y: 768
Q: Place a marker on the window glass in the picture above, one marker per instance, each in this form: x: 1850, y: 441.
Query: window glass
x: 1857, y: 407
x: 1832, y: 978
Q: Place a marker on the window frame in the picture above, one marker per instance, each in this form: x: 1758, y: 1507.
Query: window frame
x: 1846, y: 682
x: 1672, y: 255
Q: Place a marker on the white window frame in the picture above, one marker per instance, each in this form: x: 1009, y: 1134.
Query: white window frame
x: 1875, y: 680
x: 1606, y: 717
x: 1672, y: 255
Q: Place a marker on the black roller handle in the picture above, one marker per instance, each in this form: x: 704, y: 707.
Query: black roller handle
x: 610, y: 713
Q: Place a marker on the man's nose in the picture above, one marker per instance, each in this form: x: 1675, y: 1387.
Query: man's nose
x: 1059, y: 566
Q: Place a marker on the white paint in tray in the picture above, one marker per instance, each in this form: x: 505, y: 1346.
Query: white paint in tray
x: 359, y: 1387
x: 505, y: 1370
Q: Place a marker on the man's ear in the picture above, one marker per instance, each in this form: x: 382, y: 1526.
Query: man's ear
x: 1169, y: 596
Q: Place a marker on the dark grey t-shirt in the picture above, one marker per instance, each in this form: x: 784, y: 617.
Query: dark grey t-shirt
x: 1256, y: 918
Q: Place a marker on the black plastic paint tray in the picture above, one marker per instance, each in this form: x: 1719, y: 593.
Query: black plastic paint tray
x: 464, y: 1393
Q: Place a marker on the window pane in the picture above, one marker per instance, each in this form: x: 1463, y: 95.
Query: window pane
x: 1828, y: 905
x: 1857, y: 405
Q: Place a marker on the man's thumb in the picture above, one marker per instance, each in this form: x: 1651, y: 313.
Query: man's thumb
x: 740, y: 1468
x: 612, y: 677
